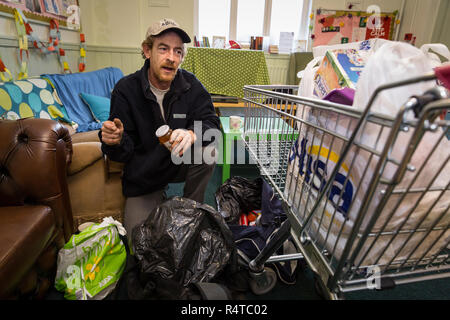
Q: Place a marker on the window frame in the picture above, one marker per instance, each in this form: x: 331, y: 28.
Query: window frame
x: 234, y: 13
x: 232, y: 32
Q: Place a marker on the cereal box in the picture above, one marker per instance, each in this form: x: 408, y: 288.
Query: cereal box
x: 339, y: 68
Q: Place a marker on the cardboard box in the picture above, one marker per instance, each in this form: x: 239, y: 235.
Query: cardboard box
x: 339, y: 69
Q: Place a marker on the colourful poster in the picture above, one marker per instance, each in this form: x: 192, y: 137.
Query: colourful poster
x: 335, y: 27
x: 382, y: 32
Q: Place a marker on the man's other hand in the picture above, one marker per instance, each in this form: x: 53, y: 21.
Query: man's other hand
x: 112, y: 132
x: 181, y: 140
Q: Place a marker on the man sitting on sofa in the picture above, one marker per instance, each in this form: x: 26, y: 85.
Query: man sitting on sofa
x: 160, y: 93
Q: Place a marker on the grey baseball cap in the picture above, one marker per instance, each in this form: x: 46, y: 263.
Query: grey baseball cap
x: 166, y: 24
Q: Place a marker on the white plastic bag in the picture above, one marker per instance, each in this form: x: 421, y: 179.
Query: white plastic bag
x: 396, y: 61
x: 438, y: 48
x: 306, y: 85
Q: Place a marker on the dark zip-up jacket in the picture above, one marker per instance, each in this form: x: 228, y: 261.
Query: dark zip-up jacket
x: 148, y: 165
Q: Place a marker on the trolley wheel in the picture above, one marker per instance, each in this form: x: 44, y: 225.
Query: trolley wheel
x: 264, y: 282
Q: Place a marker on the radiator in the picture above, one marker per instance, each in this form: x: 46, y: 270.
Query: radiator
x: 277, y: 67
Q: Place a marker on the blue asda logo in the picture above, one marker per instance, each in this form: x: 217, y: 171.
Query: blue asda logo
x: 312, y: 167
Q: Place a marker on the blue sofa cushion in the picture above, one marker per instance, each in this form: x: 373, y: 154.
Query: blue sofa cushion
x: 69, y: 86
x: 99, y: 106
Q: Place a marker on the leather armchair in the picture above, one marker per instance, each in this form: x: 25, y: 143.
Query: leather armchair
x: 35, y: 208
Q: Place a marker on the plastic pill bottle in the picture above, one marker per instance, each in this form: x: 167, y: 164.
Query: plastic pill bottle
x: 163, y: 133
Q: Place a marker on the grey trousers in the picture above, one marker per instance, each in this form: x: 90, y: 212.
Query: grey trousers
x: 196, y: 178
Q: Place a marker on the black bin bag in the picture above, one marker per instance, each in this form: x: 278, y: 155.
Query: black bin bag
x: 238, y: 195
x: 182, y: 242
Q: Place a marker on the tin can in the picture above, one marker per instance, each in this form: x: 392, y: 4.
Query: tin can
x: 243, y: 221
x: 163, y: 133
x: 253, y: 215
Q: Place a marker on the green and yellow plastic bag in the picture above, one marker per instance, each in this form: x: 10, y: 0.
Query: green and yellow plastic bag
x: 91, y: 263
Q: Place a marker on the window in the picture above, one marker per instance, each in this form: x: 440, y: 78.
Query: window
x: 285, y: 17
x: 241, y: 19
x: 215, y: 18
x: 250, y: 19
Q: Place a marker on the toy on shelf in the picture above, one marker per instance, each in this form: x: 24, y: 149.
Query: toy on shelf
x: 234, y: 45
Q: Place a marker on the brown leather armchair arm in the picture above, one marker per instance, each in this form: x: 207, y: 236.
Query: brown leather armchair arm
x: 34, y: 155
x: 35, y: 209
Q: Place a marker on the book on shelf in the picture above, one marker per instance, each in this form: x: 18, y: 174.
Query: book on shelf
x: 206, y: 43
x: 273, y: 48
x: 201, y: 42
x: 256, y: 43
x: 196, y: 42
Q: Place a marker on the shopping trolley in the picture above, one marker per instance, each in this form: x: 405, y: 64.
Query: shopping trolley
x: 367, y: 195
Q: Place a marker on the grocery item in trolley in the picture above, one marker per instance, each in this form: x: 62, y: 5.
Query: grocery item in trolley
x: 339, y: 69
x: 406, y: 211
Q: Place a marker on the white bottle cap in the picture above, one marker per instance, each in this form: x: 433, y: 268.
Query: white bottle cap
x: 162, y: 131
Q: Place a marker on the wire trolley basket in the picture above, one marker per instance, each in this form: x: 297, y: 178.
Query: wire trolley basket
x: 367, y: 195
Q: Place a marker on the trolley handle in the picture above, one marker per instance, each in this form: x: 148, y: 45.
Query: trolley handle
x: 417, y: 103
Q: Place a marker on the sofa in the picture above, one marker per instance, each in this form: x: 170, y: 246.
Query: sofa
x: 95, y: 184
x: 94, y: 181
x: 73, y: 100
x: 35, y: 207
x: 46, y: 107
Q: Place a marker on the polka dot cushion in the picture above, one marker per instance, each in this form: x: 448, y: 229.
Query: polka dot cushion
x: 30, y: 98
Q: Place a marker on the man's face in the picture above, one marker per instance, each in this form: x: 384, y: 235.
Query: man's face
x: 165, y: 58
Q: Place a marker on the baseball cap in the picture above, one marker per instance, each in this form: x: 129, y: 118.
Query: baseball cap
x: 166, y: 24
